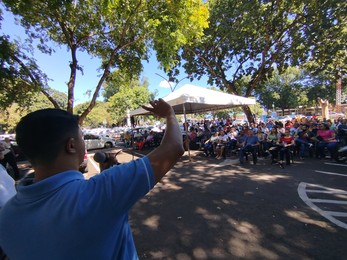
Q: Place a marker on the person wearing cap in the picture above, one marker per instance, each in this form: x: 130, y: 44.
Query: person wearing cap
x: 61, y: 215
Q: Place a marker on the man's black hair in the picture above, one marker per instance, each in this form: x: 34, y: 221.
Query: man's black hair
x: 43, y: 134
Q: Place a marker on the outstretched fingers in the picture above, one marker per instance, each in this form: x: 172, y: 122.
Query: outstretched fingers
x: 159, y: 107
x: 154, y: 104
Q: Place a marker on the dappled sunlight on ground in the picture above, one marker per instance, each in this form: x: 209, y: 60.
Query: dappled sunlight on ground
x: 152, y: 222
x: 208, y: 215
x: 305, y: 219
x: 247, y: 234
x: 209, y: 209
x: 268, y: 178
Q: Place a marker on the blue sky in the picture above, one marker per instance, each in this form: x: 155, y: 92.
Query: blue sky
x: 56, y: 67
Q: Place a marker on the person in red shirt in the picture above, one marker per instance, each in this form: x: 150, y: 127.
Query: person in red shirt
x: 283, y: 147
x: 288, y: 124
x: 287, y: 142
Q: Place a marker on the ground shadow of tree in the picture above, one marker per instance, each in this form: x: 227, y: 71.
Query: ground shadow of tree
x: 203, y: 211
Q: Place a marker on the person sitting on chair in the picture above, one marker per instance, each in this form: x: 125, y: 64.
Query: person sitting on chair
x: 149, y: 139
x: 261, y: 137
x: 326, y: 138
x: 210, y: 145
x: 271, y: 139
x: 302, y: 140
x: 223, y: 140
x: 232, y: 134
x: 284, y: 145
x: 250, y: 145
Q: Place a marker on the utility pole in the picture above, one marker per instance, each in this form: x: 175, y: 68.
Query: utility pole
x: 338, y: 91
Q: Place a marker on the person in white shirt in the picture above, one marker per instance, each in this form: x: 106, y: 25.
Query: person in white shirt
x: 223, y: 140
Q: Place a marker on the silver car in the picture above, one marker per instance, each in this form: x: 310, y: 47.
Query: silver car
x: 94, y: 141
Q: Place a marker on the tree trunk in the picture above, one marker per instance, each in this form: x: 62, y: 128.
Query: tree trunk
x: 248, y: 113
x: 72, y: 80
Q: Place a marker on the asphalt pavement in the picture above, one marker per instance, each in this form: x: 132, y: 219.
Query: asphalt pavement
x: 206, y: 208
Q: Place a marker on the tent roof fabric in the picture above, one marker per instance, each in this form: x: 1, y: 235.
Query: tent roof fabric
x: 199, y: 99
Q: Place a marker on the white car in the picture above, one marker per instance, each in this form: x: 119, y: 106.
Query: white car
x: 241, y: 122
x: 93, y: 141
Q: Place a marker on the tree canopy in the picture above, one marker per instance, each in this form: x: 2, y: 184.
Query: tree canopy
x: 249, y: 39
x: 129, y: 97
x: 120, y: 33
x: 20, y: 77
x: 284, y: 90
x: 10, y: 116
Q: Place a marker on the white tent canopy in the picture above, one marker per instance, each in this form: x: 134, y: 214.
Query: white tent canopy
x: 191, y: 99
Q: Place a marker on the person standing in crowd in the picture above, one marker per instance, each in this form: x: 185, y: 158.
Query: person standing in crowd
x: 61, y: 215
x: 7, y: 189
x: 7, y: 184
x: 10, y: 158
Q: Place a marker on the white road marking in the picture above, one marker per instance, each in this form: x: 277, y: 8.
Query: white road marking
x: 94, y: 163
x: 332, y: 173
x: 342, y: 192
x: 337, y: 164
x: 330, y: 215
x: 337, y: 214
x: 329, y: 201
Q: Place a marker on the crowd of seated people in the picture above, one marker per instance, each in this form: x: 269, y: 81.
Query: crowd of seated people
x: 141, y: 140
x: 280, y: 141
x: 272, y: 139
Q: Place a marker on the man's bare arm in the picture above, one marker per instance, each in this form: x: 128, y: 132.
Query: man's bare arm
x: 171, y: 148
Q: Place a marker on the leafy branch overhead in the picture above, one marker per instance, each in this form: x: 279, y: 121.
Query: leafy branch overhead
x: 20, y: 77
x: 119, y: 33
x: 247, y: 40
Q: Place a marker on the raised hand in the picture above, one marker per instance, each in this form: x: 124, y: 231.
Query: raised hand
x: 159, y: 108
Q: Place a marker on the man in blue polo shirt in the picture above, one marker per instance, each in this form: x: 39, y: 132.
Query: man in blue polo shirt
x: 60, y: 215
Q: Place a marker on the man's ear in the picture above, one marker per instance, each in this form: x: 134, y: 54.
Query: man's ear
x: 71, y: 145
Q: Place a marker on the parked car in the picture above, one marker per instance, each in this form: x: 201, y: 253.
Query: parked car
x: 93, y: 141
x: 241, y: 122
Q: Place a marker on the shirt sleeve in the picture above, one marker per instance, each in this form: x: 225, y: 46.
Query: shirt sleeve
x: 121, y: 186
x: 7, y: 186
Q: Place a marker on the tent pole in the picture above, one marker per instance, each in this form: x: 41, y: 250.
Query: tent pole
x: 186, y: 129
